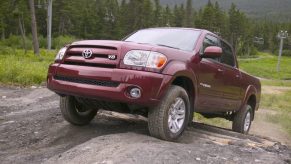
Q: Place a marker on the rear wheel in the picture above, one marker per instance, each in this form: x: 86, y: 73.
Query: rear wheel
x: 243, y: 120
x: 168, y: 120
x: 75, y: 112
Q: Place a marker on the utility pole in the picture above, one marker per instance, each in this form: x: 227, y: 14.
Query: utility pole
x: 49, y: 24
x: 281, y: 35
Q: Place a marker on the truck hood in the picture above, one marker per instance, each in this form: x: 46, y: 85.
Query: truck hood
x: 123, y: 47
x: 108, y: 43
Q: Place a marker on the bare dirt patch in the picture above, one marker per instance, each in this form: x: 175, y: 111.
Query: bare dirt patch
x: 274, y: 89
x: 262, y: 127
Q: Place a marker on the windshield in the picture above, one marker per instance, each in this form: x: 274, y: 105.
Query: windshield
x: 183, y: 39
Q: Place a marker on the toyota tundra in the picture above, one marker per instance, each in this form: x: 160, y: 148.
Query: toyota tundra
x: 164, y: 74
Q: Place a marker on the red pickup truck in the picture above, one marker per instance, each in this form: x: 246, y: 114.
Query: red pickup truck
x: 165, y: 74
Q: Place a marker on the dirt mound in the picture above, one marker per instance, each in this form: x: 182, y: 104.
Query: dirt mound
x: 200, y: 143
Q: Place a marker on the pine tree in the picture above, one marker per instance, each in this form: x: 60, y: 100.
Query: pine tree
x: 237, y: 26
x: 220, y: 21
x: 4, y: 7
x: 18, y: 13
x: 158, y: 11
x: 167, y: 17
x: 208, y: 17
x: 146, y: 14
x: 189, y: 14
x: 123, y: 19
x: 179, y: 15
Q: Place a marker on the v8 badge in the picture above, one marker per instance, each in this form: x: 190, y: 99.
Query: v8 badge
x: 112, y: 57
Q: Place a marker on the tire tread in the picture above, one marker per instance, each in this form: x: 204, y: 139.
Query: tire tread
x: 158, y: 115
x: 67, y: 106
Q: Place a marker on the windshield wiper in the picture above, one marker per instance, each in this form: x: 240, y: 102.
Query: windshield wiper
x: 136, y: 42
x: 155, y: 44
x: 168, y: 46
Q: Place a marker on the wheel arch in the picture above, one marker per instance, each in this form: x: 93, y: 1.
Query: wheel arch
x: 187, y: 83
x: 181, y: 72
x: 250, y: 98
x: 252, y: 102
x: 184, y: 77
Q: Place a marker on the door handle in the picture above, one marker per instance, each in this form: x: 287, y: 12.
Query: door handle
x: 220, y: 70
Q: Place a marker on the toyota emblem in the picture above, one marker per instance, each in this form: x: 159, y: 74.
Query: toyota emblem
x: 87, y: 53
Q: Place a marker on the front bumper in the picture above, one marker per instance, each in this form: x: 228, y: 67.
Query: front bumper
x: 152, y: 85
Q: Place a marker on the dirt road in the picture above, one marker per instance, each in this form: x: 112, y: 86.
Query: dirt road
x: 32, y: 130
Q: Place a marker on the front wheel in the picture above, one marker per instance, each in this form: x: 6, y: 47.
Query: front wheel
x: 75, y: 112
x: 243, y: 120
x: 168, y: 120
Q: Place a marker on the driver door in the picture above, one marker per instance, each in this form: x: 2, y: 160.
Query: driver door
x: 210, y: 80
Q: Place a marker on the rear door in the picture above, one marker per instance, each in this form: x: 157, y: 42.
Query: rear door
x: 231, y: 90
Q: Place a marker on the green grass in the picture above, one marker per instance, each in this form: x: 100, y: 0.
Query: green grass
x: 277, y: 102
x: 17, y: 68
x: 280, y: 103
x: 265, y: 66
x: 282, y: 119
x: 219, y: 122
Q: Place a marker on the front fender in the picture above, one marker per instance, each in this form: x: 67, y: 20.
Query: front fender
x: 179, y: 69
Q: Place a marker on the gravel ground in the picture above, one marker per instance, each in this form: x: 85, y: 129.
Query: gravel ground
x: 33, y: 131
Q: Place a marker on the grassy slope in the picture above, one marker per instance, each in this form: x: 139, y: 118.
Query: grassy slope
x: 17, y: 68
x: 280, y: 104
x: 266, y: 67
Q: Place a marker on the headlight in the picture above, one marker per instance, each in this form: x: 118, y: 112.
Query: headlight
x: 147, y: 59
x: 61, y: 54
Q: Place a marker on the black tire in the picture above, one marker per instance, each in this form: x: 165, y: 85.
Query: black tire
x: 158, y: 117
x: 239, y: 120
x: 76, y: 113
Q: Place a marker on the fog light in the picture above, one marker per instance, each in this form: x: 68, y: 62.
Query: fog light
x: 135, y: 93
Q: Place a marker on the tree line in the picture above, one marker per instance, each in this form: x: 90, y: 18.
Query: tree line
x: 114, y: 19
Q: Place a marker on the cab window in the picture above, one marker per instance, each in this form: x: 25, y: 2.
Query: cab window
x: 227, y: 55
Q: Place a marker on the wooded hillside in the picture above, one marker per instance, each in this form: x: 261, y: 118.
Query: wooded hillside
x: 113, y: 19
x: 275, y: 10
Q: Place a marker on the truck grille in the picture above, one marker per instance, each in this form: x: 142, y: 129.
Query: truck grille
x: 99, y: 58
x: 87, y: 81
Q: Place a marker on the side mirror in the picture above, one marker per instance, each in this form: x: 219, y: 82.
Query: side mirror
x: 212, y: 52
